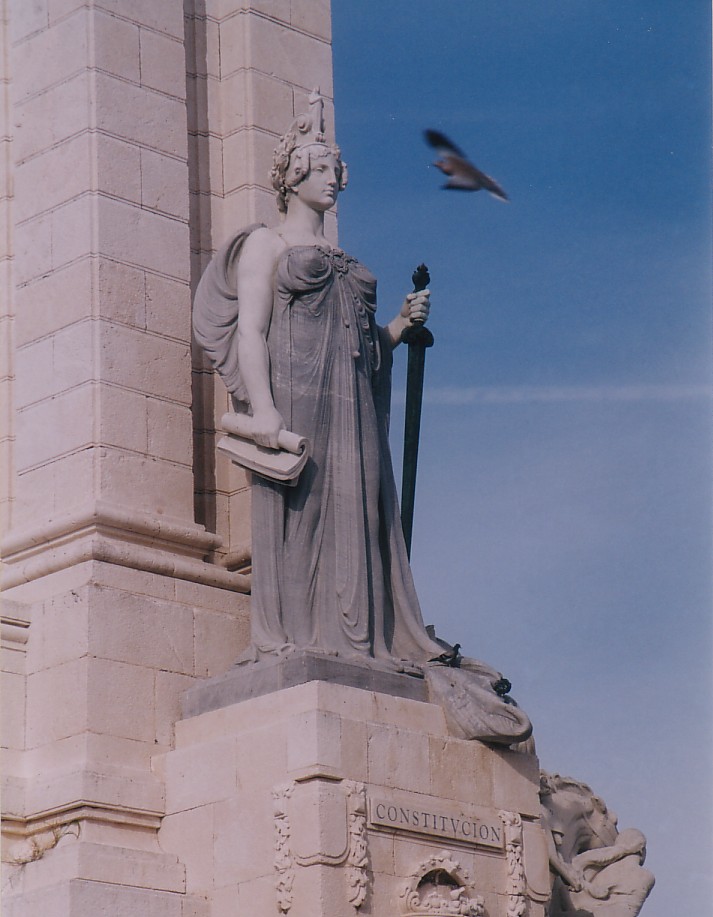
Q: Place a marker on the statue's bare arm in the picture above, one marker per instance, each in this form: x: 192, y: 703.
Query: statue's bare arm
x: 255, y: 280
x: 568, y: 873
x: 415, y: 308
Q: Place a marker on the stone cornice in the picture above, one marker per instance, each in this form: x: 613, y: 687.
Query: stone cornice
x: 14, y: 632
x: 79, y: 810
x: 129, y: 538
x: 104, y: 515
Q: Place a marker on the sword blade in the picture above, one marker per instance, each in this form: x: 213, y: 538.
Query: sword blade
x: 418, y: 339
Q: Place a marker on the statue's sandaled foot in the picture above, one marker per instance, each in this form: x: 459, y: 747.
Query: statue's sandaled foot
x: 254, y: 653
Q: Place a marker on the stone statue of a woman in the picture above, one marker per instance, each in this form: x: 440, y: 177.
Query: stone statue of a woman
x: 289, y: 321
x: 330, y: 571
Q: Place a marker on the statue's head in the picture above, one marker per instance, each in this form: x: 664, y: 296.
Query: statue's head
x: 577, y: 817
x: 298, y: 150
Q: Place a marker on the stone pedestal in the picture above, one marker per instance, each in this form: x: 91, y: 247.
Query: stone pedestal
x: 329, y: 799
x: 248, y: 680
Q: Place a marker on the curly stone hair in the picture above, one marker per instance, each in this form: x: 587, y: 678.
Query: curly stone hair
x: 295, y: 158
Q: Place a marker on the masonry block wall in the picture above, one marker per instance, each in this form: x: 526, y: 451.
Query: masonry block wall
x: 134, y: 137
x: 251, y: 67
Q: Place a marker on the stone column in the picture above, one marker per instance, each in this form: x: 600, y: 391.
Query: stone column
x: 251, y: 67
x: 113, y: 190
x: 6, y: 330
x: 100, y: 291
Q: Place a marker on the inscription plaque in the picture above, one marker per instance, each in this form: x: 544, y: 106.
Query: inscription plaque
x: 429, y: 816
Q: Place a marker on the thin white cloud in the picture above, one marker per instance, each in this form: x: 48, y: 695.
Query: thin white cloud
x: 534, y: 394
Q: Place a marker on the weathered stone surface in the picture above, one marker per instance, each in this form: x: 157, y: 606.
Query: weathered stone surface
x: 596, y: 868
x: 300, y: 760
x: 255, y: 679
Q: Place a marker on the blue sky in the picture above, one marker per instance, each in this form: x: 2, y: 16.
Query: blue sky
x: 563, y: 514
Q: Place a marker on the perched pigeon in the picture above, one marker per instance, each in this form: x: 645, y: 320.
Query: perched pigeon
x: 462, y: 174
x: 451, y: 657
x: 502, y: 687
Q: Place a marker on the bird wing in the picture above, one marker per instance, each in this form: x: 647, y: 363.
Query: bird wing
x: 462, y: 174
x: 462, y: 180
x: 442, y: 145
x: 491, y: 185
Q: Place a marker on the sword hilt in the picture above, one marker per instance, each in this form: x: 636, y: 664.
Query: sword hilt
x: 417, y: 333
x: 420, y: 278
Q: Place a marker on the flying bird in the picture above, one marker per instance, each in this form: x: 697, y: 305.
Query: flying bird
x: 462, y: 174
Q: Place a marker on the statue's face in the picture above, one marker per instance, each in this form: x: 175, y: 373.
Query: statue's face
x: 320, y: 187
x: 604, y: 827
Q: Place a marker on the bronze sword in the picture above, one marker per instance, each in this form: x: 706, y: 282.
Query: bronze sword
x: 418, y: 338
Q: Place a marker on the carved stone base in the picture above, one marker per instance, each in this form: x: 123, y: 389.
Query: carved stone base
x: 250, y: 680
x: 326, y: 799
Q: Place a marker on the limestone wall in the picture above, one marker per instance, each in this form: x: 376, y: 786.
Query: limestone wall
x: 128, y: 172
x: 134, y: 137
x: 250, y: 69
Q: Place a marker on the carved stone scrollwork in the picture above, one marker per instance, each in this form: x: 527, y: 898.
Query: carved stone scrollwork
x: 438, y: 889
x: 344, y: 845
x: 517, y: 883
x: 357, y: 855
x: 284, y: 864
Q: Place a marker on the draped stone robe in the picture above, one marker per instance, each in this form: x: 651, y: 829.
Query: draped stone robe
x: 330, y: 570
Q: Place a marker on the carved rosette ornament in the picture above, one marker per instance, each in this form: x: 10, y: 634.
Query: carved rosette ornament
x: 438, y: 889
x: 284, y: 864
x: 517, y: 882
